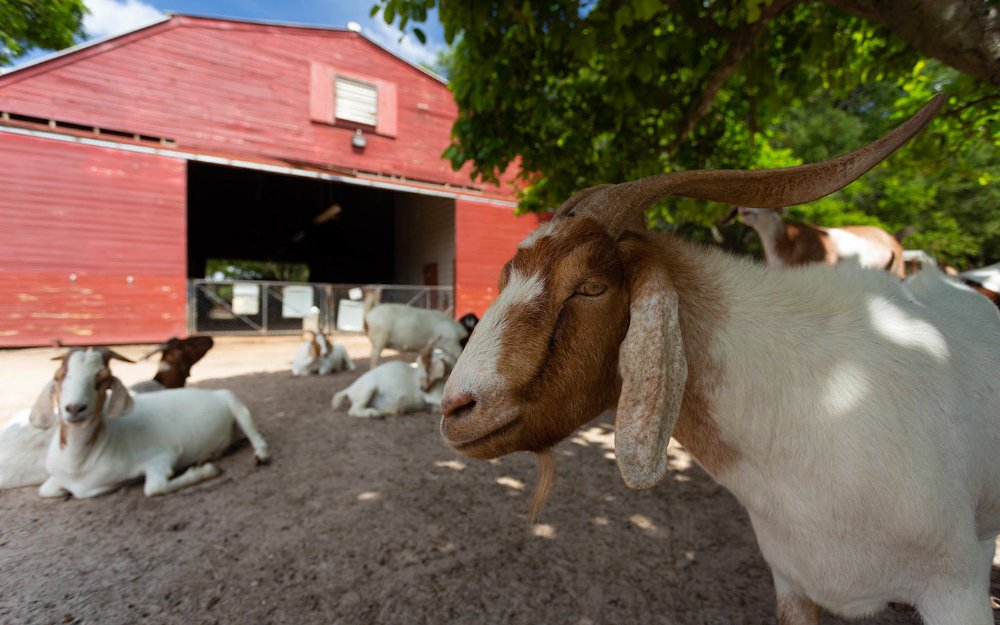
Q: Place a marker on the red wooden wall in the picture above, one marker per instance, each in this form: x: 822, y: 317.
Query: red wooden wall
x: 103, y: 215
x: 486, y: 236
x: 240, y: 88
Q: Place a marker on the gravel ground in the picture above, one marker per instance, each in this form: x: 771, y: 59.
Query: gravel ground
x: 376, y: 521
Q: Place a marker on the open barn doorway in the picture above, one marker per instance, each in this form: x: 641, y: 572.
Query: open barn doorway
x: 245, y: 225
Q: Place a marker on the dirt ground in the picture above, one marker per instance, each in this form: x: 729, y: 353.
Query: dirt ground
x: 376, y: 521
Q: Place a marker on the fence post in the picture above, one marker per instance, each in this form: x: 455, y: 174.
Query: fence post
x: 263, y: 311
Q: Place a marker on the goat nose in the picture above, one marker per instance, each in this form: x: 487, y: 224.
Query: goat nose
x: 74, y: 410
x: 458, y: 405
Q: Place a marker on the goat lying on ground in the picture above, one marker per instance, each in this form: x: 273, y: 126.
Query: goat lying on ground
x: 23, y: 447
x: 405, y: 327
x: 395, y: 387
x: 787, y: 244
x: 107, y: 437
x: 318, y: 354
x: 854, y: 416
x: 177, y: 356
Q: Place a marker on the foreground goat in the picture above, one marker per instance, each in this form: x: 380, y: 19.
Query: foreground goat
x: 787, y: 244
x: 855, y: 416
x: 106, y: 437
x: 395, y: 387
x: 405, y: 327
x: 318, y: 354
x: 177, y: 356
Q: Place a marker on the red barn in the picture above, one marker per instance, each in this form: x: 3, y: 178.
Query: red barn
x: 127, y: 163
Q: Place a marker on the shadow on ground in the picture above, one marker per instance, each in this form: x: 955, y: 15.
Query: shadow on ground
x: 377, y: 521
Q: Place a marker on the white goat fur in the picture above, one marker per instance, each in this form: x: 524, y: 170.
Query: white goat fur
x: 23, y: 447
x: 147, y: 435
x: 396, y: 387
x: 866, y: 418
x: 330, y: 358
x: 408, y: 328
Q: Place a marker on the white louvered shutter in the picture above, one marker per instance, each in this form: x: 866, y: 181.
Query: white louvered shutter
x: 356, y: 101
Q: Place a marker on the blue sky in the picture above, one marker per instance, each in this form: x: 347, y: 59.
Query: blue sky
x: 111, y: 17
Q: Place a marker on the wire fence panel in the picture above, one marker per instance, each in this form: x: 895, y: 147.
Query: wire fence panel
x: 265, y: 307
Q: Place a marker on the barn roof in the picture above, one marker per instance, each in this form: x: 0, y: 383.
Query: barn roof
x: 170, y: 20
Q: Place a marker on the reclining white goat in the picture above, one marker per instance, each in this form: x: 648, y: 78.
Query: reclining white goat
x: 396, y: 387
x: 23, y: 447
x: 318, y: 354
x: 107, y: 437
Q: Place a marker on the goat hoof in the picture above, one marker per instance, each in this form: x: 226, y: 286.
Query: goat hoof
x: 261, y: 460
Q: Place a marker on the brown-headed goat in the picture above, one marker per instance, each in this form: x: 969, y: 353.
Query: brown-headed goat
x: 854, y: 415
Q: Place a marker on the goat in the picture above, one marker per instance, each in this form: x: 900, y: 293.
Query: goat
x: 23, y: 446
x: 177, y: 358
x: 405, y: 327
x: 108, y: 437
x: 985, y: 280
x: 468, y: 321
x: 318, y: 354
x: 395, y: 387
x: 854, y: 416
x: 787, y: 244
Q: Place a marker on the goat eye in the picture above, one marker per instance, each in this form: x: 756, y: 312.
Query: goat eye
x: 591, y: 289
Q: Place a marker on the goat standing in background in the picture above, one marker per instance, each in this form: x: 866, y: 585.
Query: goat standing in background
x: 787, y: 244
x: 855, y: 416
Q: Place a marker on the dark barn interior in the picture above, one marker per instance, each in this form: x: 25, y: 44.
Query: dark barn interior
x: 243, y: 214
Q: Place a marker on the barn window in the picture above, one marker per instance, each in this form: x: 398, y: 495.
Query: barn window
x: 356, y: 101
x: 350, y: 99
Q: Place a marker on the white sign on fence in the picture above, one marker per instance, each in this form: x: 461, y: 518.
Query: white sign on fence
x: 350, y: 316
x: 296, y: 301
x: 246, y: 299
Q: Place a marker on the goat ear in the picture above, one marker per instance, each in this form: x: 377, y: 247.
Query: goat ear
x: 43, y: 412
x: 120, y: 401
x: 653, y: 371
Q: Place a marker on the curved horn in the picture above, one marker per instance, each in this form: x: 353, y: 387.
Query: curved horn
x: 156, y: 350
x: 110, y: 354
x: 616, y: 206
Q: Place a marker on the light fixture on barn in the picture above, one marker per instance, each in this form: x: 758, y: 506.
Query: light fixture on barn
x: 358, y: 140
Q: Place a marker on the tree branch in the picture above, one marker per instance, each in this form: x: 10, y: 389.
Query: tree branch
x: 741, y: 43
x: 964, y: 34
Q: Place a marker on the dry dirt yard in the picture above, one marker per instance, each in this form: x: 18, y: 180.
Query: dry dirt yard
x: 376, y: 521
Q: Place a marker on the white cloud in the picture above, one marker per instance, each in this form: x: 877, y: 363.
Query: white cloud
x: 409, y: 48
x: 110, y: 17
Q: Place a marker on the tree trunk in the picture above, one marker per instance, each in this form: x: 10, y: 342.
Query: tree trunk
x: 964, y: 34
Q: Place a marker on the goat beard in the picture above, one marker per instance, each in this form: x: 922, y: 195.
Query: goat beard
x: 546, y: 477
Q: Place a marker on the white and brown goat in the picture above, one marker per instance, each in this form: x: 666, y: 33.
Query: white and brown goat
x: 788, y: 244
x: 107, y: 437
x: 853, y: 415
x: 395, y: 387
x: 320, y: 355
x: 23, y: 447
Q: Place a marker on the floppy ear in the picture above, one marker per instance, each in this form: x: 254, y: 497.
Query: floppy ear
x: 43, y: 412
x: 120, y: 401
x: 653, y: 370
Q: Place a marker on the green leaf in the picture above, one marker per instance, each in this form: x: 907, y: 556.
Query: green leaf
x: 419, y: 34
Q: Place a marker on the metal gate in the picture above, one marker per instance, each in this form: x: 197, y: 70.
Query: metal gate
x: 266, y: 307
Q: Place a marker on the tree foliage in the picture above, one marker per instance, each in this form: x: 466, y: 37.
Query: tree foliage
x: 580, y: 92
x: 45, y: 24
